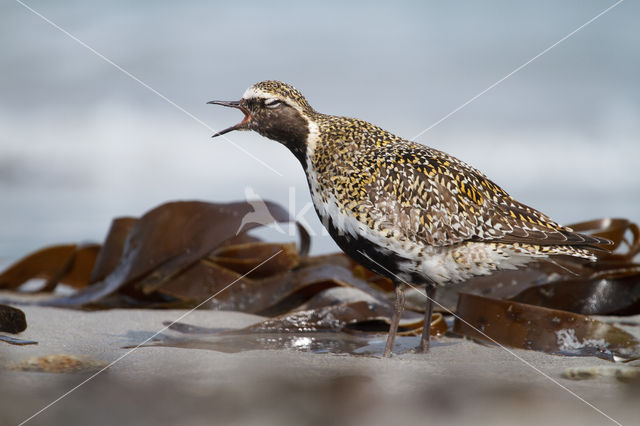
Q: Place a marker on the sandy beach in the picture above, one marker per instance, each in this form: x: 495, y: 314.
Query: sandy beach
x: 458, y: 382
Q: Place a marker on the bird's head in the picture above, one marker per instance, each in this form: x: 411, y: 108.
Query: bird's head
x: 274, y: 109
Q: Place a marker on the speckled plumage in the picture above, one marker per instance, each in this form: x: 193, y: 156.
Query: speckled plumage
x: 402, y: 209
x: 417, y: 202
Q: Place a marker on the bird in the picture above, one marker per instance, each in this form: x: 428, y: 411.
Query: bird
x: 412, y: 213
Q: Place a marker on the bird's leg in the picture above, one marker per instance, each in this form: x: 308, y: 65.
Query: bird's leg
x: 395, y: 320
x: 428, y: 313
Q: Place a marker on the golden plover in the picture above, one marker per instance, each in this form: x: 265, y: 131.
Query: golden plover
x: 406, y: 211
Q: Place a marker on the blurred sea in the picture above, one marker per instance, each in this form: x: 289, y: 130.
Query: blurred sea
x: 81, y: 143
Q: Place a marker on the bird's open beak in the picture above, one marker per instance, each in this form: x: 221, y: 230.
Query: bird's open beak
x: 241, y: 125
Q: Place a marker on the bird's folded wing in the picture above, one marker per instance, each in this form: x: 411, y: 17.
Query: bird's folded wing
x: 439, y: 200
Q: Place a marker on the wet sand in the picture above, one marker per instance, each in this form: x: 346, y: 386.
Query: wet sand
x: 459, y: 382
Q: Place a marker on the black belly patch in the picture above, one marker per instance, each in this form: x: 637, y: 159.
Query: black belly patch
x: 372, y: 256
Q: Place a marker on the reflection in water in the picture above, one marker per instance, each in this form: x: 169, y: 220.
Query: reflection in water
x: 192, y: 337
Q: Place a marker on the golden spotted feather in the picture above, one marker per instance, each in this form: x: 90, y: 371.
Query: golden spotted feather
x: 411, y: 192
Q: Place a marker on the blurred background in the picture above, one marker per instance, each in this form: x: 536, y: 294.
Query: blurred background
x: 82, y: 143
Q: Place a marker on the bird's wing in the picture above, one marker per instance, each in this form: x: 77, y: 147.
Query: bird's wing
x: 437, y: 199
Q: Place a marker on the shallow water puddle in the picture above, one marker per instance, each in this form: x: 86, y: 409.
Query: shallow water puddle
x: 188, y: 336
x: 15, y: 341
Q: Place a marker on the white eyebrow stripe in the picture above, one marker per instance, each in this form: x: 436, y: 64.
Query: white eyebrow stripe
x: 253, y: 92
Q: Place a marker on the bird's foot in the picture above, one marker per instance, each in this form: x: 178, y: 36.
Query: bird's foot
x: 423, y: 348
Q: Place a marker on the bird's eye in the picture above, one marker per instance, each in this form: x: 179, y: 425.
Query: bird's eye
x: 272, y: 103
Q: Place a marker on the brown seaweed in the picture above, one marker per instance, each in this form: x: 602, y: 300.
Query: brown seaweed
x: 190, y: 231
x: 70, y: 264
x: 12, y: 320
x: 597, y: 296
x: 532, y: 327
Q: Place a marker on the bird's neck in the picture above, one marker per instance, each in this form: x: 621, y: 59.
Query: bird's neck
x: 296, y: 133
x: 329, y: 134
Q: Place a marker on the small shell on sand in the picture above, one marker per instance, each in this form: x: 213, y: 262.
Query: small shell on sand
x: 59, y: 364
